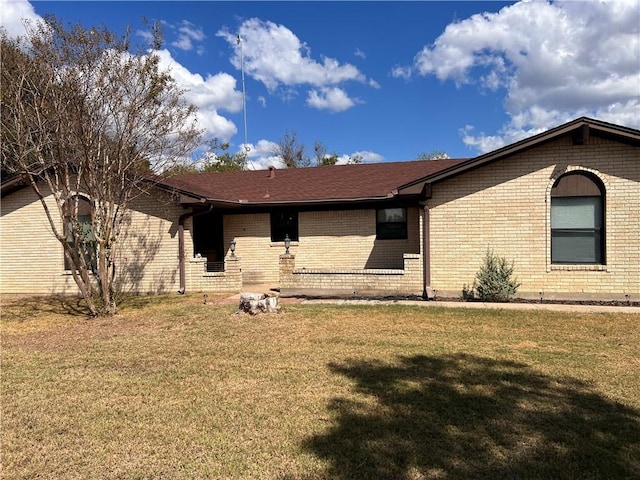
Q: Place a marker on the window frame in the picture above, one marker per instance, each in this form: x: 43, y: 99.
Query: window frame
x: 280, y: 228
x: 83, y: 219
x: 596, y: 233
x: 392, y: 230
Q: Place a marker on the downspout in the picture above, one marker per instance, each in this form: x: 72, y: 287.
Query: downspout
x: 427, y: 292
x: 181, y: 259
x: 181, y: 256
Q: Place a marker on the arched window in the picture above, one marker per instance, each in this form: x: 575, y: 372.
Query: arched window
x: 83, y: 229
x: 577, y: 219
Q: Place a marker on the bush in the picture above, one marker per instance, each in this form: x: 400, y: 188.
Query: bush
x: 493, y: 282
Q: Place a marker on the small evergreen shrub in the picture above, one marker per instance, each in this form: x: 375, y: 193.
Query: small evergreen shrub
x: 494, y: 281
x: 467, y: 292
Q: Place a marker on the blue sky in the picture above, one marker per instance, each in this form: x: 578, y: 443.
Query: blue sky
x: 385, y: 80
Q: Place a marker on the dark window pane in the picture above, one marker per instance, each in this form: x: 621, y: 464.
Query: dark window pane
x: 569, y: 246
x: 392, y: 215
x: 576, y: 212
x: 283, y: 223
x: 391, y: 224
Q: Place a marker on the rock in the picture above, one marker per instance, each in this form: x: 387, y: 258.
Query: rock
x: 254, y: 303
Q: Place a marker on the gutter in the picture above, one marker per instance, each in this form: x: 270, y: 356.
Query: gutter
x: 337, y: 201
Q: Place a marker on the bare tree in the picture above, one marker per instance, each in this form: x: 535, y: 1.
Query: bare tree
x: 322, y: 157
x: 86, y: 118
x: 291, y: 151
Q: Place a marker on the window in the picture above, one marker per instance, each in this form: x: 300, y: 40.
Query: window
x: 84, y: 229
x: 283, y: 223
x: 577, y: 220
x: 391, y: 224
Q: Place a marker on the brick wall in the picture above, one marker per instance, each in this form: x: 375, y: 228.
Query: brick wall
x: 344, y: 239
x: 230, y: 280
x: 148, y: 253
x: 334, y: 281
x: 503, y: 206
x: 31, y: 259
x: 506, y: 206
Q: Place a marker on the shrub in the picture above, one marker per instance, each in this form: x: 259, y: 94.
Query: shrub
x: 494, y: 281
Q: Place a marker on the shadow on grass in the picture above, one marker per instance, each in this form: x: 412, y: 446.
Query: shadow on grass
x: 25, y: 308
x: 468, y: 417
x: 22, y: 308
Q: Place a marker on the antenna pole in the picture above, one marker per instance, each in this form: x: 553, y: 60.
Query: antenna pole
x: 244, y: 95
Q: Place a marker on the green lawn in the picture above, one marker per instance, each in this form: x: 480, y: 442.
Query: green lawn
x: 175, y: 389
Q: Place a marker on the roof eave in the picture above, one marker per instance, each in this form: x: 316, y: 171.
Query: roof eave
x: 222, y: 203
x: 630, y: 134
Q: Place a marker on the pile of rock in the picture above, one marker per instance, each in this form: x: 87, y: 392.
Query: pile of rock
x: 254, y: 303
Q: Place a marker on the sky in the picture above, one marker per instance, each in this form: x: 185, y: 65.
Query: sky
x: 386, y: 81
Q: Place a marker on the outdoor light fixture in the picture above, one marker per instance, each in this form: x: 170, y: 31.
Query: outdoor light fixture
x: 232, y: 247
x: 287, y: 244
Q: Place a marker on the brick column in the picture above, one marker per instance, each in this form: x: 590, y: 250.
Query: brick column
x: 287, y: 265
x: 233, y: 272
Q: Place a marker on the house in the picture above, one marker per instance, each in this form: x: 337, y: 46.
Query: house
x: 564, y: 205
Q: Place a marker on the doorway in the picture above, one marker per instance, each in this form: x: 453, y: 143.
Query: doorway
x: 208, y: 240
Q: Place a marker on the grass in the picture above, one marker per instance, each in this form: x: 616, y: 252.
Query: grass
x: 173, y: 388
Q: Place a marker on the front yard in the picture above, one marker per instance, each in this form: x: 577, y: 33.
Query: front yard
x: 172, y: 388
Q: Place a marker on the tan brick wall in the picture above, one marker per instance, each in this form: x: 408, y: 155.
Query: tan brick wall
x: 344, y: 239
x: 351, y: 282
x: 253, y: 245
x: 230, y: 280
x: 505, y: 206
x: 148, y: 252
x: 31, y: 259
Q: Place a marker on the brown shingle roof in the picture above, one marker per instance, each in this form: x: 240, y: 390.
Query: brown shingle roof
x: 307, y: 185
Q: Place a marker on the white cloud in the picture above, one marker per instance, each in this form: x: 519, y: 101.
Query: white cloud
x: 261, y: 157
x: 332, y: 99
x: 275, y: 56
x: 365, y: 156
x: 553, y: 61
x: 402, y: 72
x: 210, y: 94
x: 14, y: 15
x: 187, y: 34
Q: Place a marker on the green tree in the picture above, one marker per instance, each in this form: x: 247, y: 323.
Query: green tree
x: 353, y: 159
x: 82, y: 112
x: 216, y: 158
x: 433, y: 155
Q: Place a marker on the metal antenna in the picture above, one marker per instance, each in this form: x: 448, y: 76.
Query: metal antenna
x: 247, y: 148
